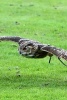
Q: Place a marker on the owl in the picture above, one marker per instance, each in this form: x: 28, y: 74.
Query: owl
x: 33, y: 49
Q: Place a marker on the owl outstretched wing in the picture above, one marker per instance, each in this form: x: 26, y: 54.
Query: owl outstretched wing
x: 60, y: 53
x: 10, y: 38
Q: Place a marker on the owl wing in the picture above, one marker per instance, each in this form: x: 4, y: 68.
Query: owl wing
x: 10, y: 38
x: 60, y: 53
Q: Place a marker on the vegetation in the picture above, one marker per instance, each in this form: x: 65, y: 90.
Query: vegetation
x: 32, y: 79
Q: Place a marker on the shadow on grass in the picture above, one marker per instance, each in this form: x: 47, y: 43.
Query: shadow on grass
x: 29, y: 81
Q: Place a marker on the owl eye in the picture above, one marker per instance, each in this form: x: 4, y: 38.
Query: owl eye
x: 25, y: 48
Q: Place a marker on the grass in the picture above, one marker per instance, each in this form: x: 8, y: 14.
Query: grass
x: 32, y: 79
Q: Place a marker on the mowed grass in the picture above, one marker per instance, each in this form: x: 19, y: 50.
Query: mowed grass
x: 32, y: 79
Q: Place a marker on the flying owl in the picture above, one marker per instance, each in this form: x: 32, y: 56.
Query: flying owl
x: 34, y: 49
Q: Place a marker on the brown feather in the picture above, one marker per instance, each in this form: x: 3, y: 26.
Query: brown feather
x: 10, y: 38
x: 60, y: 53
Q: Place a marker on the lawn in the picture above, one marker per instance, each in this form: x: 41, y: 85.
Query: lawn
x: 32, y: 79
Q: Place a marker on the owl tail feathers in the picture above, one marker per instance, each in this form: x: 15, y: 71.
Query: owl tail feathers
x: 60, y: 53
x: 10, y: 38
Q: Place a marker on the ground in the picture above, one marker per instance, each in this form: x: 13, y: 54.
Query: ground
x: 32, y: 79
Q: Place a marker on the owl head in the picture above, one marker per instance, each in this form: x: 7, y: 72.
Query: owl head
x: 28, y: 48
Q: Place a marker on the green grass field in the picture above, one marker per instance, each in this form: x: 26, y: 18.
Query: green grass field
x: 32, y: 79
